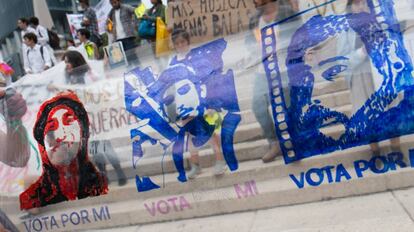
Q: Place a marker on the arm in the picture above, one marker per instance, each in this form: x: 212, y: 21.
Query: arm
x: 27, y: 68
x: 159, y: 12
x: 110, y: 22
x: 86, y: 20
x: 46, y: 56
x: 15, y: 142
x: 88, y: 17
x: 131, y: 12
x: 44, y: 39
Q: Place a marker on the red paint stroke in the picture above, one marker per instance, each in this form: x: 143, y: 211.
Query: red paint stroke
x: 77, y: 180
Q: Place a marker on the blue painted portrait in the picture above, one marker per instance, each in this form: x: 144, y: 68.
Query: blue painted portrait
x: 172, y: 105
x: 300, y: 117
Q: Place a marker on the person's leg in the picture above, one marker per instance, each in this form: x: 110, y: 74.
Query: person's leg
x: 194, y: 160
x: 129, y: 48
x: 113, y: 159
x: 261, y: 103
x: 98, y: 157
x: 220, y: 166
x: 375, y: 148
x: 395, y: 144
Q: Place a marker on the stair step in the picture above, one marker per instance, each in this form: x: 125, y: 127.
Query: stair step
x: 244, y: 132
x: 243, y: 196
x: 252, y: 169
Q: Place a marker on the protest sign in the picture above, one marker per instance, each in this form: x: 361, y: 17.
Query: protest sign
x: 116, y: 55
x: 74, y: 21
x: 102, y: 10
x: 208, y: 19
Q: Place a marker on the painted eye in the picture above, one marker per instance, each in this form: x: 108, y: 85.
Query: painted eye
x: 68, y: 119
x: 184, y: 89
x: 168, y: 100
x: 52, y: 125
x: 332, y: 72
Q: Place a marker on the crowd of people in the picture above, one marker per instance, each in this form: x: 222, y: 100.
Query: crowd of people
x: 125, y: 24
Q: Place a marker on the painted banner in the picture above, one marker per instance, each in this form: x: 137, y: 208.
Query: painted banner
x: 324, y: 86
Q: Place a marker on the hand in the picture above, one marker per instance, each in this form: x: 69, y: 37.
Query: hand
x: 85, y: 22
x: 15, y: 104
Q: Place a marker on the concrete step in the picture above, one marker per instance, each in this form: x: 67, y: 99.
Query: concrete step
x: 257, y: 169
x: 151, y: 164
x: 240, y: 196
x: 247, y: 151
x: 244, y: 133
x: 320, y: 88
x: 249, y: 129
x: 247, y: 170
x: 208, y: 182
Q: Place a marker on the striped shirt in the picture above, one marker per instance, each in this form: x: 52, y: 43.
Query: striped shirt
x: 90, y: 14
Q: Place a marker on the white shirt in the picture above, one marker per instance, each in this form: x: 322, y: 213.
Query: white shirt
x: 120, y: 33
x: 34, y: 61
x: 28, y: 30
x: 42, y: 36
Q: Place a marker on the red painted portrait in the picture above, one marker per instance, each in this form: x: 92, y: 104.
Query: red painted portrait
x: 62, y: 132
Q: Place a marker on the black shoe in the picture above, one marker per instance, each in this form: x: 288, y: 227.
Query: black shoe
x: 122, y: 181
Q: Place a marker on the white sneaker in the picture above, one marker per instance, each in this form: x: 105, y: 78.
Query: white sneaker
x: 194, y: 172
x: 219, y: 168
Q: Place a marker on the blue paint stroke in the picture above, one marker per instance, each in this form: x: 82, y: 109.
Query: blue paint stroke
x: 145, y: 184
x: 382, y: 39
x: 199, y: 77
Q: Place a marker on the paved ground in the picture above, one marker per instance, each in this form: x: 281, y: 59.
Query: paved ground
x: 388, y: 211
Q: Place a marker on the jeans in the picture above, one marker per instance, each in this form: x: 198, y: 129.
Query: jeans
x: 102, y: 151
x: 260, y: 106
x: 129, y: 48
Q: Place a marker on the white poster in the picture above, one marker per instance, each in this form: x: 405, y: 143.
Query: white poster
x: 74, y: 21
x: 102, y: 10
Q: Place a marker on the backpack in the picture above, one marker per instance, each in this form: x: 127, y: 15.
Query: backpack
x: 54, y: 40
x: 41, y: 53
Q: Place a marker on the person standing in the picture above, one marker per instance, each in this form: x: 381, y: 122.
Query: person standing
x: 89, y: 46
x: 124, y: 28
x: 36, y: 57
x: 23, y: 25
x: 90, y: 22
x: 42, y: 37
x: 156, y: 11
x: 269, y: 11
